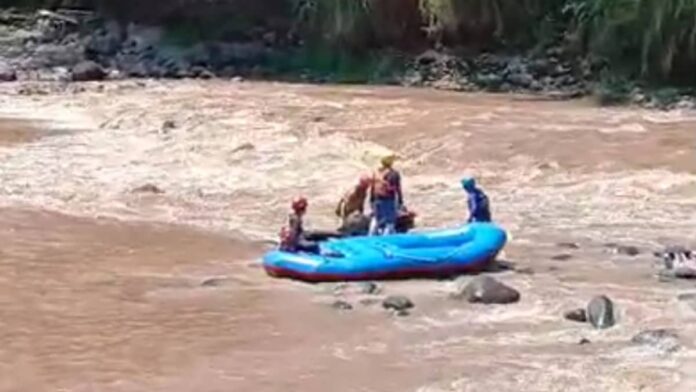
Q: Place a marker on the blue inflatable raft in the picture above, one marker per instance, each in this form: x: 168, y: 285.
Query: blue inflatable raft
x: 413, y: 255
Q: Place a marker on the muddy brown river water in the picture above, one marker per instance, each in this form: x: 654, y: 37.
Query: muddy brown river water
x: 107, y: 289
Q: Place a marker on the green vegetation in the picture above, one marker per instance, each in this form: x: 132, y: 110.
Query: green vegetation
x: 649, y: 40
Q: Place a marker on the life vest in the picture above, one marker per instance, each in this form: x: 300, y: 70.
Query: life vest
x: 382, y: 188
x: 285, y: 237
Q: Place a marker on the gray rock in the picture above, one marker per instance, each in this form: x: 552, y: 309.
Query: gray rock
x: 578, y: 315
x: 521, y: 79
x: 676, y: 256
x: 7, y: 73
x: 562, y: 257
x: 168, y: 125
x: 213, y: 282
x: 568, y: 245
x: 148, y: 188
x: 105, y: 42
x: 584, y: 341
x: 369, y: 301
x: 525, y: 271
x: 665, y: 340
x: 600, y: 312
x: 397, y: 303
x: 87, y: 71
x: 486, y: 290
x: 341, y: 305
x: 627, y: 250
x: 369, y: 288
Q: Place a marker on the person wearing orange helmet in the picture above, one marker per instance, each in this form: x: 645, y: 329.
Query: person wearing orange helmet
x: 292, y: 236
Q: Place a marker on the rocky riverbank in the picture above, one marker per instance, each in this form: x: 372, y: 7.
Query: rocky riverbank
x: 79, y: 46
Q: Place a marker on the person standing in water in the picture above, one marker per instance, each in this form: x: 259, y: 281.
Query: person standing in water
x: 479, y: 209
x: 292, y: 236
x: 386, y: 197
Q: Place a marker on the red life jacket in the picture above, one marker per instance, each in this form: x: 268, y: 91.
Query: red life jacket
x: 286, y: 240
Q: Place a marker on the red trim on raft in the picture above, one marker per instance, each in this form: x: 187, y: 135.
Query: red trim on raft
x: 408, y: 273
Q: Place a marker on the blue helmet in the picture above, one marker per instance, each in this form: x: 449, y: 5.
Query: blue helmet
x: 468, y: 183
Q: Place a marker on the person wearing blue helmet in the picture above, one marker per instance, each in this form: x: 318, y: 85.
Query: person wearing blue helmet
x: 479, y: 209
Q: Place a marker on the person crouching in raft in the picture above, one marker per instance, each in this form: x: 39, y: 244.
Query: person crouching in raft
x: 479, y: 209
x: 292, y: 236
x: 351, y: 208
x: 386, y: 197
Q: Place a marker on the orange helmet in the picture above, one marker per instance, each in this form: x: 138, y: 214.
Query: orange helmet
x: 299, y: 204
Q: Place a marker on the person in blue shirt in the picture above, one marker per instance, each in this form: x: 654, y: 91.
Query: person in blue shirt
x: 479, y: 209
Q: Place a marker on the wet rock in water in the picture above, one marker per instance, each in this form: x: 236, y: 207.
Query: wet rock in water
x: 148, y: 188
x: 486, y: 290
x: 600, y: 312
x: 7, y: 73
x: 525, y: 271
x: 584, y: 341
x: 369, y: 301
x: 568, y: 245
x: 679, y: 263
x: 687, y: 297
x: 397, y: 303
x: 578, y: 315
x: 87, y: 71
x: 342, y: 305
x: 369, y: 288
x: 665, y: 340
x: 168, y: 125
x: 244, y: 147
x: 627, y: 250
x: 213, y: 282
x: 562, y: 257
x: 674, y: 256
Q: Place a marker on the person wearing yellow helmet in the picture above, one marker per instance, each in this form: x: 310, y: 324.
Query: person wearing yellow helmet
x: 386, y: 197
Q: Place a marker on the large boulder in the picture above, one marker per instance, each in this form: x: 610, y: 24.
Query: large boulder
x: 600, y: 312
x: 87, y: 71
x: 486, y: 290
x: 7, y: 73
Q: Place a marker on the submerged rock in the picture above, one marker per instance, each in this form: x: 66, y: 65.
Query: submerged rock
x: 627, y: 250
x: 397, y: 303
x: 568, y: 245
x: 7, y: 73
x: 665, y: 340
x: 148, y: 188
x: 213, y: 282
x: 486, y: 290
x: 562, y: 257
x: 579, y: 315
x: 87, y: 71
x: 369, y: 288
x: 341, y: 305
x: 600, y: 312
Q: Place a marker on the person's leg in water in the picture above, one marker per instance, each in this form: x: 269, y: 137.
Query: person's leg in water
x: 385, y: 216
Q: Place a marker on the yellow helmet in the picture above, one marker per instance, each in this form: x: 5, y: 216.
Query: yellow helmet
x: 388, y: 160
